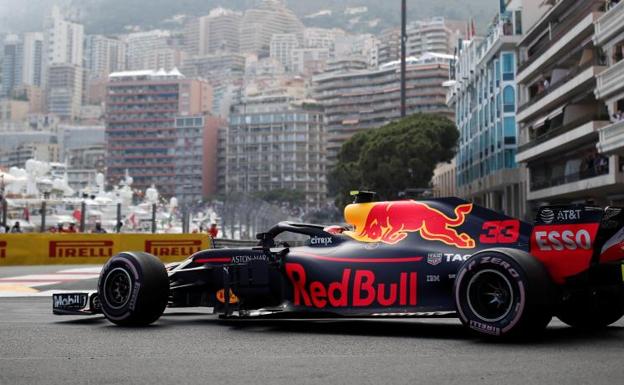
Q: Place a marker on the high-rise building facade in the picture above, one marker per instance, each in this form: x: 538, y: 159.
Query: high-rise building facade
x: 22, y: 63
x: 356, y: 100
x: 483, y: 94
x: 64, y: 90
x: 434, y: 35
x: 104, y: 55
x: 364, y: 46
x: 63, y: 42
x: 281, y: 48
x: 260, y: 24
x: 609, y: 36
x: 219, y: 32
x: 196, y: 157
x: 559, y: 115
x: 309, y: 61
x: 141, y: 134
x: 144, y: 47
x: 389, y: 45
x: 274, y: 142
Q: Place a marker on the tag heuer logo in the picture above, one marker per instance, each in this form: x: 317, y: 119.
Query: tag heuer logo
x: 434, y: 258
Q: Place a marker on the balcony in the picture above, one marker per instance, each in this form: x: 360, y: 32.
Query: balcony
x: 612, y: 139
x: 601, y: 180
x: 561, y: 138
x: 560, y: 92
x: 611, y: 81
x: 564, y: 35
x: 610, y: 24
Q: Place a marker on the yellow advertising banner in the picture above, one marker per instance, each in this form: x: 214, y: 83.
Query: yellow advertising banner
x: 73, y: 249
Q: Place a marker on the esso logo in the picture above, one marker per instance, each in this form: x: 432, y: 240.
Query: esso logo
x: 563, y: 240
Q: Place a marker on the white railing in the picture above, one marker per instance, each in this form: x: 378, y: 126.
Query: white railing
x: 610, y: 23
x: 610, y: 80
x: 612, y: 137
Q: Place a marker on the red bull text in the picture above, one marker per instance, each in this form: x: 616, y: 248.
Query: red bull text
x: 356, y: 288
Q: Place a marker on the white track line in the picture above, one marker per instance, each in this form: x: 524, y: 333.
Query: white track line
x: 23, y: 285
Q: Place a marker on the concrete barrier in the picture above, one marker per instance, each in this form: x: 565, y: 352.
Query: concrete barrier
x: 52, y: 249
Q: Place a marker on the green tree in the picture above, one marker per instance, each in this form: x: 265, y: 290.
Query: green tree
x: 392, y: 158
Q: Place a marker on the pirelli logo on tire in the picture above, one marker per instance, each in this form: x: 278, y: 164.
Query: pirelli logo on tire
x: 3, y: 247
x: 81, y: 249
x: 173, y: 248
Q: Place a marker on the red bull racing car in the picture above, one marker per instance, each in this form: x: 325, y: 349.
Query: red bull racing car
x: 434, y: 258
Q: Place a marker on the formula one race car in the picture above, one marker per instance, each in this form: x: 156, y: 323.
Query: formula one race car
x: 434, y: 258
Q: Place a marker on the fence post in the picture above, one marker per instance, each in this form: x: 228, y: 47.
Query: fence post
x: 83, y: 216
x: 118, y: 218
x: 154, y: 218
x: 5, y: 207
x: 43, y: 216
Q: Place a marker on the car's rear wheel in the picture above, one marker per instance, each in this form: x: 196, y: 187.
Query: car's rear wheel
x: 503, y: 292
x: 133, y: 289
x: 593, y: 309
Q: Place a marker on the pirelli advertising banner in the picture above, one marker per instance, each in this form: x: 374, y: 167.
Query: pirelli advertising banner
x: 71, y: 249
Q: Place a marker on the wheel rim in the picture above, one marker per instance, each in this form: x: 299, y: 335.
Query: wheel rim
x: 117, y: 288
x: 490, y: 295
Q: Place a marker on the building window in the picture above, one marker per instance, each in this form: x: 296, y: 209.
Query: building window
x: 509, y: 126
x: 508, y: 66
x: 509, y: 99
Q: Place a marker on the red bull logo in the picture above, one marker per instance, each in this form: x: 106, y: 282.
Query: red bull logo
x: 357, y: 288
x: 3, y: 246
x: 173, y: 248
x: 80, y: 249
x: 390, y: 222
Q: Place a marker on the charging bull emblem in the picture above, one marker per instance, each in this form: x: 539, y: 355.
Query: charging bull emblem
x: 390, y: 222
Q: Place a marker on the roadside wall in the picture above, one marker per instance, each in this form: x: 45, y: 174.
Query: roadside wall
x: 59, y: 249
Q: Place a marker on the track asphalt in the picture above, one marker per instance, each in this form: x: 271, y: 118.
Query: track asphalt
x: 188, y: 347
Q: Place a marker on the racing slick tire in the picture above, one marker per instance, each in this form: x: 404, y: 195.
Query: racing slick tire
x: 503, y: 293
x: 133, y: 289
x: 594, y: 309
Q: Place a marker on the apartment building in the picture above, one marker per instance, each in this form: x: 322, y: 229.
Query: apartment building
x: 356, y: 100
x: 62, y: 42
x: 196, y: 157
x: 483, y: 94
x: 433, y: 35
x: 141, y: 134
x: 559, y: 115
x: 22, y: 62
x: 260, y: 24
x: 104, y: 55
x: 64, y: 90
x: 274, y: 142
x: 219, y: 31
x: 609, y: 36
x: 143, y: 49
x: 281, y: 48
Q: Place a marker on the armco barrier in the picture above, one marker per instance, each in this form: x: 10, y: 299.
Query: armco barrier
x: 51, y: 249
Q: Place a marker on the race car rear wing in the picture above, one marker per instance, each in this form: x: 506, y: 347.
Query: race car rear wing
x: 569, y: 239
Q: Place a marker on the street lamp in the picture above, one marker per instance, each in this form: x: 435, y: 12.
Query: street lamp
x: 403, y: 53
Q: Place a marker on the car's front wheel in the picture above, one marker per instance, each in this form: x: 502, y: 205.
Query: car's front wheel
x: 133, y: 289
x: 503, y: 292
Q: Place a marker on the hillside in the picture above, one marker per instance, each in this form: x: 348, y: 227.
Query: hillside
x: 115, y: 16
